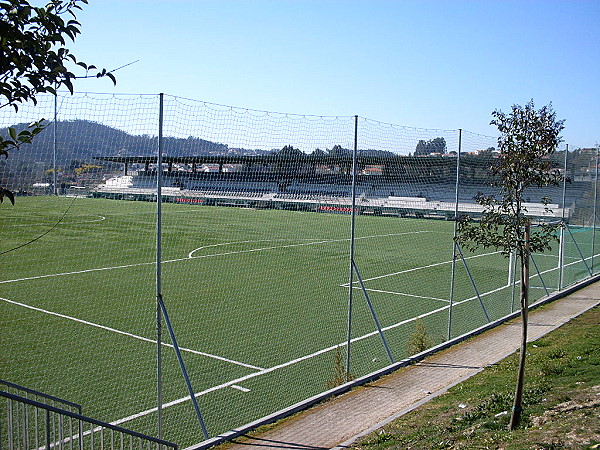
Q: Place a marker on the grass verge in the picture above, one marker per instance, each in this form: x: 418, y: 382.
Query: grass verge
x: 562, y: 401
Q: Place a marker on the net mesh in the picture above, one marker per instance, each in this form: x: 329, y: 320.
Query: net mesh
x: 257, y: 238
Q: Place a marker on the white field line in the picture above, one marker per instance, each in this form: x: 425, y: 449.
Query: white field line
x: 400, y: 293
x: 325, y: 241
x: 240, y: 388
x: 191, y: 254
x: 124, y: 333
x: 576, y: 261
x: 75, y: 272
x: 574, y: 258
x: 101, y: 218
x: 414, y: 269
x: 125, y: 266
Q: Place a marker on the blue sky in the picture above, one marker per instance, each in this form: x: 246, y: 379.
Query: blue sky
x: 426, y: 64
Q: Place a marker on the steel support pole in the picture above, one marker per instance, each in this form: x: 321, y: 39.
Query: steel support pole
x: 159, y: 267
x: 561, y: 248
x: 374, y: 315
x: 561, y: 257
x: 352, y: 234
x: 466, y: 266
x: 513, y: 280
x: 594, y: 211
x: 453, y: 276
x: 182, y: 367
x: 511, y: 256
x: 54, y: 147
x: 539, y: 274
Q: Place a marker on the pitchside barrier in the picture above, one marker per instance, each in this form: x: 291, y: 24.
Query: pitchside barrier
x: 182, y: 268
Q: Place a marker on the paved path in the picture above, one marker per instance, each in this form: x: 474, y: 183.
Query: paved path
x: 344, y: 419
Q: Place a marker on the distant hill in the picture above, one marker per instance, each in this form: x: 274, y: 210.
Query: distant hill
x: 83, y: 139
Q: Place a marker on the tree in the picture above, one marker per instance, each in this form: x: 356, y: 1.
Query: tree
x: 290, y: 152
x: 290, y: 161
x: 421, y: 148
x: 424, y: 148
x: 338, y: 150
x: 527, y: 139
x: 438, y: 145
x: 35, y: 60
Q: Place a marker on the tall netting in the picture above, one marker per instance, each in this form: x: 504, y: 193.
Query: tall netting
x: 405, y: 189
x: 77, y: 301
x: 256, y: 273
x: 295, y: 253
x: 580, y: 196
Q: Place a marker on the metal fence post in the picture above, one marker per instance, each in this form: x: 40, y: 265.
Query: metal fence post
x: 48, y: 441
x: 161, y: 311
x: 9, y: 422
x: 561, y: 247
x: 352, y: 233
x: 594, y: 210
x: 158, y: 265
x: 453, y: 276
x: 54, y: 146
x: 25, y: 426
x: 513, y: 281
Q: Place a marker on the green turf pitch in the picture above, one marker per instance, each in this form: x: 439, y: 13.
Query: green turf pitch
x: 258, y: 300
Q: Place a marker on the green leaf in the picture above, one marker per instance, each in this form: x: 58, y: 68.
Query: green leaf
x: 68, y: 84
x: 12, y: 132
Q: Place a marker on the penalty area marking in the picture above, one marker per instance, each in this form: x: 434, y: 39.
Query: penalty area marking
x: 414, y: 269
x: 381, y: 291
x: 124, y: 333
x: 237, y: 381
x: 325, y: 241
x: 189, y: 258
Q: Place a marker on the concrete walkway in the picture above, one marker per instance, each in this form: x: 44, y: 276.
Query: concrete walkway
x: 342, y: 420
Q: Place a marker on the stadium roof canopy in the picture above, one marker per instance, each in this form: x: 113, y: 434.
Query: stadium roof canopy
x: 272, y: 159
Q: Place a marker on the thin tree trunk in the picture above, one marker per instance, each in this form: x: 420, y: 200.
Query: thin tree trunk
x: 518, y: 402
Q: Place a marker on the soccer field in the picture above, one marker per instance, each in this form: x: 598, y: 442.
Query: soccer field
x: 258, y: 300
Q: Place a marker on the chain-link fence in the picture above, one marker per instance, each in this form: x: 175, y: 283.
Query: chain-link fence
x: 286, y: 254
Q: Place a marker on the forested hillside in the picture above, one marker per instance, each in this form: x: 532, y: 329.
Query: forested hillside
x: 82, y: 140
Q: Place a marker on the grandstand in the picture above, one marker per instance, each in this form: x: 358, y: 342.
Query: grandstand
x: 403, y: 186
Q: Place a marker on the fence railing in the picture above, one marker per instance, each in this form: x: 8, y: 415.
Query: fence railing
x: 32, y: 424
x: 40, y: 396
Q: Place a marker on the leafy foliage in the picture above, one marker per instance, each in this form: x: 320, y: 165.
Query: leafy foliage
x: 340, y: 375
x: 528, y: 139
x: 419, y: 340
x: 35, y: 60
x: 437, y: 145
